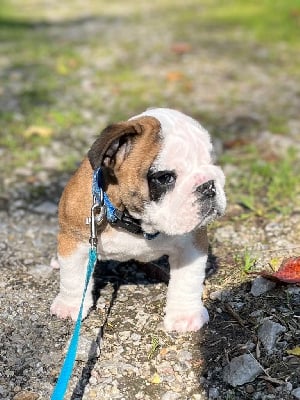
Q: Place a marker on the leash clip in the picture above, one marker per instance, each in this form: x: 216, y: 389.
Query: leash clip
x: 97, y: 214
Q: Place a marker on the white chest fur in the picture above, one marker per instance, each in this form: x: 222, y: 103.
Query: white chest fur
x: 123, y: 246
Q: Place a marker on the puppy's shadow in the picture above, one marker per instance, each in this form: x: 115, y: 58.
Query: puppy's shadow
x: 115, y: 274
x: 129, y: 273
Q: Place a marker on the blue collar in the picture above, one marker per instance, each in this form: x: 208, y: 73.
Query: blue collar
x: 114, y: 216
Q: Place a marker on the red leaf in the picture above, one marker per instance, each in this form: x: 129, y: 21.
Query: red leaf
x: 181, y: 47
x: 289, y: 271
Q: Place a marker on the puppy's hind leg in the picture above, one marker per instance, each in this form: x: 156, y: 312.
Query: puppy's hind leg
x: 73, y: 259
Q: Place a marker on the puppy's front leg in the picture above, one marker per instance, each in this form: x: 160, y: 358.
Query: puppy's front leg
x: 73, y: 260
x: 184, y: 309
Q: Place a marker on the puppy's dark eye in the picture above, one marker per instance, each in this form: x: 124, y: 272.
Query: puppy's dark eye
x: 160, y: 183
x: 163, y: 178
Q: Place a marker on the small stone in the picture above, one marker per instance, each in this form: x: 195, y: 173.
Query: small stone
x: 40, y: 271
x: 26, y: 395
x: 268, y: 333
x: 249, y: 388
x: 93, y: 380
x: 219, y: 295
x: 197, y: 396
x: 88, y: 349
x: 136, y: 337
x: 47, y: 208
x: 256, y: 313
x: 225, y: 234
x: 202, y: 380
x: 184, y: 355
x: 213, y: 393
x: 293, y: 290
x: 170, y: 396
x: 261, y: 285
x: 296, y: 393
x: 241, y: 370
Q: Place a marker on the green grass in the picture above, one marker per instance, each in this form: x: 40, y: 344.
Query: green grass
x: 265, y: 187
x: 245, y: 261
x: 265, y: 20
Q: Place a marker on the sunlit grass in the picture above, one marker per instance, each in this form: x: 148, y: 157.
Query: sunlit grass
x: 265, y: 187
x: 266, y: 20
x: 55, y: 80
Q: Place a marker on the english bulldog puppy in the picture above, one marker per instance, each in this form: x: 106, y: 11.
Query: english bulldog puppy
x: 157, y: 171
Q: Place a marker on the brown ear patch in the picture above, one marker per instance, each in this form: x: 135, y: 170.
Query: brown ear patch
x: 132, y: 189
x: 126, y: 151
x: 114, y: 143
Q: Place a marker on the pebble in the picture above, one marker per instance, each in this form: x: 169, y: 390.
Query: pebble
x: 268, y: 333
x: 293, y: 290
x: 170, y: 396
x: 47, y: 208
x: 26, y: 395
x: 40, y: 270
x: 261, y: 285
x: 250, y: 388
x: 213, y: 393
x: 184, y: 355
x: 219, y: 294
x: 273, y: 229
x: 256, y: 313
x: 296, y: 393
x: 241, y: 370
x: 87, y: 349
x: 225, y: 234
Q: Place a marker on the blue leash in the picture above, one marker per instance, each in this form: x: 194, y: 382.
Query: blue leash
x: 67, y: 368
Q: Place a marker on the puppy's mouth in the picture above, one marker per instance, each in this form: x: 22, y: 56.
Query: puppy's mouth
x: 207, y: 201
x: 210, y: 214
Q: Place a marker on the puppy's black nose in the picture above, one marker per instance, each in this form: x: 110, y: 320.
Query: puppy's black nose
x: 207, y: 190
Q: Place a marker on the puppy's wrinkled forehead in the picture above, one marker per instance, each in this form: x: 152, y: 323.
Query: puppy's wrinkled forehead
x: 184, y: 139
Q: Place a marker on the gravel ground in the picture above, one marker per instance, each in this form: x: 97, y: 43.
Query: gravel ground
x: 124, y: 352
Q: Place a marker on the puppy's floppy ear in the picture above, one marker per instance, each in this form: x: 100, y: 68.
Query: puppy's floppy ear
x: 112, y: 145
x: 115, y: 142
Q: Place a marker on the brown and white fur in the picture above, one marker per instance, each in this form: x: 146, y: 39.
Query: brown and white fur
x: 157, y: 166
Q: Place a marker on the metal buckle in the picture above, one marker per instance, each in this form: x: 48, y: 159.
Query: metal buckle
x: 95, y: 219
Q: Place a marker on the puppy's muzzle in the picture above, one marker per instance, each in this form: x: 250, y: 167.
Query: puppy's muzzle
x: 207, y: 190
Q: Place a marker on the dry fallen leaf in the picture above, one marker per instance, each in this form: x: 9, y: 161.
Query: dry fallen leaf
x: 289, y: 271
x: 163, y: 352
x: 236, y: 143
x: 181, y: 48
x: 295, y: 351
x: 155, y: 379
x: 35, y: 130
x: 174, y: 76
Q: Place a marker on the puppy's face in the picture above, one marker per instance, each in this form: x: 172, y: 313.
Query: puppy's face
x: 158, y: 166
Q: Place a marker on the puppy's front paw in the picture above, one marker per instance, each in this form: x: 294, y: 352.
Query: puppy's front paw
x: 186, y: 321
x: 65, y: 309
